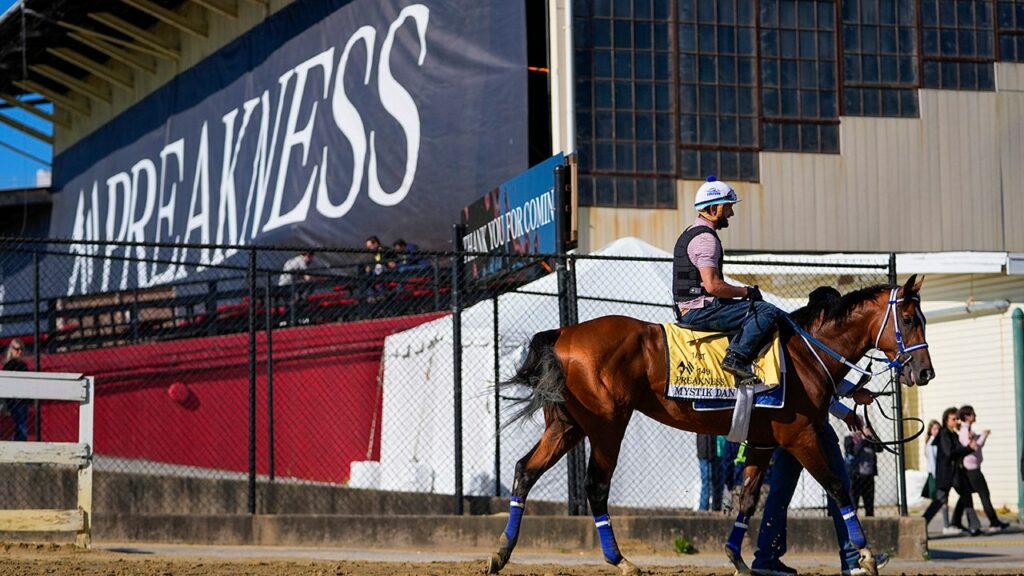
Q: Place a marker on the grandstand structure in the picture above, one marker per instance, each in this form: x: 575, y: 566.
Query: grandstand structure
x: 846, y: 126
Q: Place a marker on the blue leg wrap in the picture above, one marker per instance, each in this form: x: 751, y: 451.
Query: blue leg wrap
x: 853, y: 526
x: 515, y: 516
x: 608, y: 545
x: 739, y: 530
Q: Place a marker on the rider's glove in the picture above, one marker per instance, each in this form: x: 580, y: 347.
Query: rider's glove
x: 754, y: 294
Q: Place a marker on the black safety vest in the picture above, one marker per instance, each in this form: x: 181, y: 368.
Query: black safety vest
x: 686, y: 284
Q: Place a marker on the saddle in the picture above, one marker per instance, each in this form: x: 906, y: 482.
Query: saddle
x: 693, y: 365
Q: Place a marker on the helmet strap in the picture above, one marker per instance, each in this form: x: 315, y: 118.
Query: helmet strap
x: 710, y: 216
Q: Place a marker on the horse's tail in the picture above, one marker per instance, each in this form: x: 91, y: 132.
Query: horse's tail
x: 542, y: 371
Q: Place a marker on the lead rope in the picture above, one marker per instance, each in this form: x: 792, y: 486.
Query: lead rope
x: 885, y: 444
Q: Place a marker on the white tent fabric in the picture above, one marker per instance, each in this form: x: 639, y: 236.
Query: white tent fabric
x: 657, y: 464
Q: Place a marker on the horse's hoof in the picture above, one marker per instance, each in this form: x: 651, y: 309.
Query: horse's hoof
x: 867, y: 562
x: 494, y: 565
x: 737, y: 561
x: 628, y: 568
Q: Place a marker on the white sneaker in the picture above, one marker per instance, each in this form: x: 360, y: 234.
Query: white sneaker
x: 951, y: 531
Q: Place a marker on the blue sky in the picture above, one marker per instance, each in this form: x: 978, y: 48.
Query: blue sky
x: 17, y: 171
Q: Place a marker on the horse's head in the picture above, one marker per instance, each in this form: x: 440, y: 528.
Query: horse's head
x: 901, y: 333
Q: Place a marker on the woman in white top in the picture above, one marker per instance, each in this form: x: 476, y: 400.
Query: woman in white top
x: 930, y: 451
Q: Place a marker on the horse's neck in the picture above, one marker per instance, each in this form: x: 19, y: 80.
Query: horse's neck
x: 848, y: 338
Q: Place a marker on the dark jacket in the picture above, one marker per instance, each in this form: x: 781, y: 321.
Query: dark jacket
x: 948, y: 459
x: 861, y: 458
x: 707, y: 447
x: 16, y: 365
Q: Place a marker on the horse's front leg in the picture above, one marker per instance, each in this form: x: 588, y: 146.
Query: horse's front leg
x: 756, y: 459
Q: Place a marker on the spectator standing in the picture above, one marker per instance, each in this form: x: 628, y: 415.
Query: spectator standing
x: 862, y: 466
x: 972, y: 469
x: 18, y: 407
x: 710, y: 480
x: 948, y: 473
x: 930, y: 448
x: 294, y: 267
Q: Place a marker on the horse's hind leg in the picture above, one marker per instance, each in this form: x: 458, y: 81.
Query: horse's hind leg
x: 757, y: 459
x: 808, y: 449
x: 561, y: 434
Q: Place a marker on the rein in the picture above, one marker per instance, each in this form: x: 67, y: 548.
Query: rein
x: 885, y: 444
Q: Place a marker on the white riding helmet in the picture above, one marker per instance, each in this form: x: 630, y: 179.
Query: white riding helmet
x: 714, y: 192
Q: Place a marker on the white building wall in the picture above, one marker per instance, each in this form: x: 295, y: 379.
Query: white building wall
x: 973, y: 361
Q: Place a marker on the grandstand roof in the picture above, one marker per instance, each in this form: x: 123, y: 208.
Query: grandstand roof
x: 49, y: 47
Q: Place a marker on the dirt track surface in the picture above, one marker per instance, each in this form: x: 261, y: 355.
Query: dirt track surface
x: 19, y: 559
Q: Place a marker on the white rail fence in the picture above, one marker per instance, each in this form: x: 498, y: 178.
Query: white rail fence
x: 64, y: 387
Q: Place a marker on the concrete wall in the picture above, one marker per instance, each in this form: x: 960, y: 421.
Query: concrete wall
x: 141, y: 508
x: 117, y: 493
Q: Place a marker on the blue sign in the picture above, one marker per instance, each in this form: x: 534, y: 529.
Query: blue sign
x: 330, y: 122
x: 517, y: 217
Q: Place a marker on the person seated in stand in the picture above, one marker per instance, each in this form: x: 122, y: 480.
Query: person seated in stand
x: 401, y: 259
x: 375, y: 266
x: 704, y: 300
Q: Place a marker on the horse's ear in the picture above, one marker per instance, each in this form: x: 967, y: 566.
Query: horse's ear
x: 911, y: 286
x: 918, y: 284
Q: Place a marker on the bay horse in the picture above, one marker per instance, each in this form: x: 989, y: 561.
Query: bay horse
x: 589, y: 379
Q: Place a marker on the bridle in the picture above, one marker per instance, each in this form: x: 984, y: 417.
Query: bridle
x: 895, y: 366
x: 903, y: 353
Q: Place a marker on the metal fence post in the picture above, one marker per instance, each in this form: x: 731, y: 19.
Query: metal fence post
x: 497, y: 402
x: 251, y: 500
x: 135, y: 313
x: 268, y: 306
x: 37, y: 341
x: 567, y: 316
x: 211, y: 308
x: 457, y: 263
x: 901, y: 461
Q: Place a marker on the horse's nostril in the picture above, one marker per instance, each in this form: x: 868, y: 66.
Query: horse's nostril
x: 927, y: 374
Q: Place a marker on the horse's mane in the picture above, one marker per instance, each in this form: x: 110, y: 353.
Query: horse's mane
x: 836, y: 309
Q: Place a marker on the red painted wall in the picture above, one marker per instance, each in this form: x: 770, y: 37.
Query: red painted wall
x: 327, y: 400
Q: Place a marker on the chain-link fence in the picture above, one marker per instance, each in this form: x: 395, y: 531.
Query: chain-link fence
x: 658, y: 465
x: 282, y: 381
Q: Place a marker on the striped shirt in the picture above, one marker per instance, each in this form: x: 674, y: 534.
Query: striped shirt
x: 703, y: 252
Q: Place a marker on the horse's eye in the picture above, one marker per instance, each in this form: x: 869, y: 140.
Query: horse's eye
x: 908, y: 321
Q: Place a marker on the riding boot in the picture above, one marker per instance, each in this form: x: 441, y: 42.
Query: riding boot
x: 738, y: 366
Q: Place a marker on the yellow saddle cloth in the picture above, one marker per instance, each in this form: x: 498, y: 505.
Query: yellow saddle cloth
x: 694, y: 365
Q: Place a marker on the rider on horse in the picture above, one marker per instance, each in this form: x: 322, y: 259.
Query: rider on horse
x: 707, y: 302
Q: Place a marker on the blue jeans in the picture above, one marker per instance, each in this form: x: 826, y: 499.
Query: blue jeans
x: 728, y: 315
x: 19, y: 413
x: 771, y: 541
x: 710, y: 485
